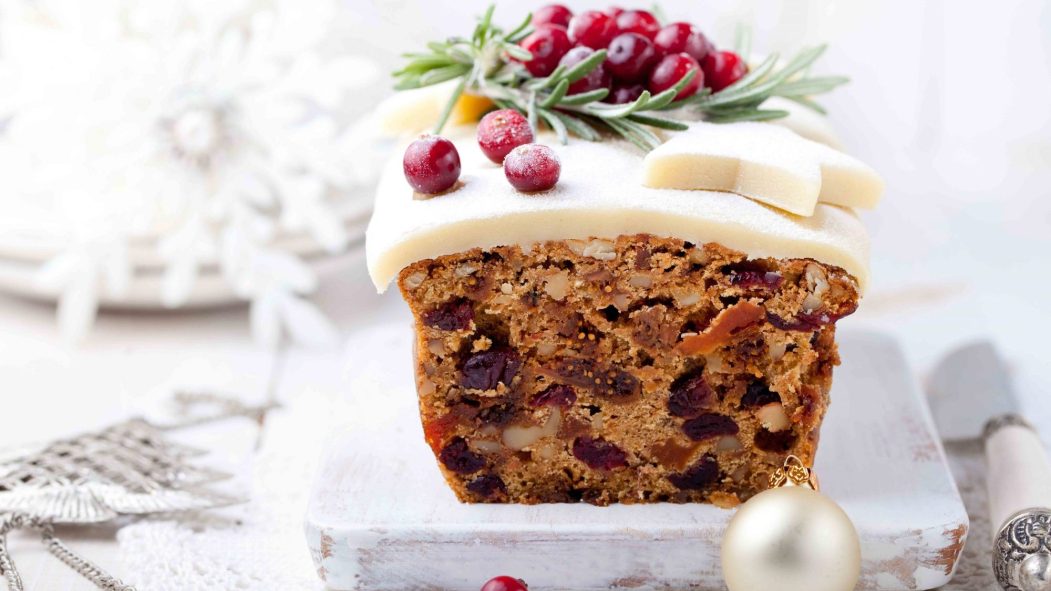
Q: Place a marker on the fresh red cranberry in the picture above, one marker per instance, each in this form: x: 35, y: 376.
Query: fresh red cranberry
x: 532, y: 167
x: 485, y: 369
x: 458, y: 457
x: 548, y: 43
x: 501, y: 131
x: 504, y: 583
x: 594, y: 80
x: 592, y: 29
x: 630, y: 57
x: 552, y: 14
x: 708, y: 426
x: 599, y: 454
x: 638, y: 21
x: 698, y: 476
x: 682, y: 38
x: 722, y: 68
x: 556, y: 395
x: 671, y: 69
x: 431, y: 164
x: 689, y: 395
x: 456, y: 314
x: 614, y: 11
x: 625, y: 94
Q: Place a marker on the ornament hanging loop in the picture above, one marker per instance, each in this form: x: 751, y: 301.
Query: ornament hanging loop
x: 794, y: 473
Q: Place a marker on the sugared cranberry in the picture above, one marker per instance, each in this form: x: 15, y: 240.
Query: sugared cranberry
x: 453, y: 315
x: 533, y: 167
x: 552, y: 14
x: 690, y: 394
x: 556, y: 395
x: 624, y: 94
x: 682, y: 38
x: 671, y: 69
x: 599, y: 454
x: 548, y: 43
x: 458, y: 457
x: 485, y: 369
x: 722, y: 68
x: 758, y: 393
x: 592, y: 29
x: 708, y: 426
x: 699, y: 476
x: 595, y: 79
x: 487, y: 486
x: 638, y: 21
x: 501, y: 131
x: 504, y: 583
x: 630, y: 57
x: 431, y: 164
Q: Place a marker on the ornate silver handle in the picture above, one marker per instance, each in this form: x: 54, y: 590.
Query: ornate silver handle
x: 1022, y: 551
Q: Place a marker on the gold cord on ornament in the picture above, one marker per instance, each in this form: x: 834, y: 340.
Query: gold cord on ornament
x: 794, y: 473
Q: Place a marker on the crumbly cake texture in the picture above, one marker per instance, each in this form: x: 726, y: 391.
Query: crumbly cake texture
x: 640, y: 369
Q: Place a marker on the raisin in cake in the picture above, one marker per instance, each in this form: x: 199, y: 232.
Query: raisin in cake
x: 606, y: 341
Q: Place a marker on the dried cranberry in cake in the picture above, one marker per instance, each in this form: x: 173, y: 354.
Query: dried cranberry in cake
x: 699, y: 476
x: 599, y: 454
x: 722, y: 68
x: 595, y: 79
x: 592, y: 29
x: 501, y: 131
x: 753, y: 275
x: 757, y: 393
x: 453, y: 315
x: 689, y: 396
x: 431, y: 164
x: 638, y: 21
x: 779, y: 442
x: 552, y: 14
x: 630, y: 57
x: 548, y: 43
x: 682, y: 38
x: 622, y: 94
x: 459, y: 458
x: 484, y: 370
x: 708, y: 426
x: 556, y: 395
x: 504, y: 583
x: 533, y: 167
x: 488, y: 486
x: 673, y: 68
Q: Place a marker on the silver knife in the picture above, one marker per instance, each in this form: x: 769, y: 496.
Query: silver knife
x: 971, y: 398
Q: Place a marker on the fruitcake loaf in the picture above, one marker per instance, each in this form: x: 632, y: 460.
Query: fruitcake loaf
x: 604, y: 341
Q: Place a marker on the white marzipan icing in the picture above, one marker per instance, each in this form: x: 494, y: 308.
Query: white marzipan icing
x: 600, y: 194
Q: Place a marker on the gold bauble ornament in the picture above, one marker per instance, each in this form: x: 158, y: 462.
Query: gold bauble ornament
x: 791, y: 538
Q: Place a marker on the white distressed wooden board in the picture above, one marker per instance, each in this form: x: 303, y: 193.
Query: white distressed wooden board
x: 382, y: 518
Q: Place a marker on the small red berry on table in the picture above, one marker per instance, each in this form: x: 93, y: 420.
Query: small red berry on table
x: 594, y: 80
x: 505, y: 583
x: 673, y: 68
x: 501, y: 131
x: 638, y: 21
x: 548, y: 43
x: 682, y: 38
x: 532, y: 167
x: 723, y: 68
x: 552, y: 14
x: 630, y: 56
x: 592, y: 29
x: 431, y: 164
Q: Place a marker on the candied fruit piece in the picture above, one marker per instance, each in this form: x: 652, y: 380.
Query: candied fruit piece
x: 725, y: 325
x: 599, y: 454
x: 690, y: 394
x: 699, y: 476
x: 708, y: 426
x: 779, y: 442
x: 459, y: 458
x: 485, y: 369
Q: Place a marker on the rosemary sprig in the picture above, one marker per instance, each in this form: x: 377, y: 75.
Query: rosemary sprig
x: 488, y: 63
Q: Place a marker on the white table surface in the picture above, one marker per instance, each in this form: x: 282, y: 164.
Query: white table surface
x: 960, y: 244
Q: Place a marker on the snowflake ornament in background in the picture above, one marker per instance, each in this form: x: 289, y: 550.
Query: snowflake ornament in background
x: 203, y: 129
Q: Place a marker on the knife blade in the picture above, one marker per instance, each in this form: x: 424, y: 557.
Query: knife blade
x: 971, y: 397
